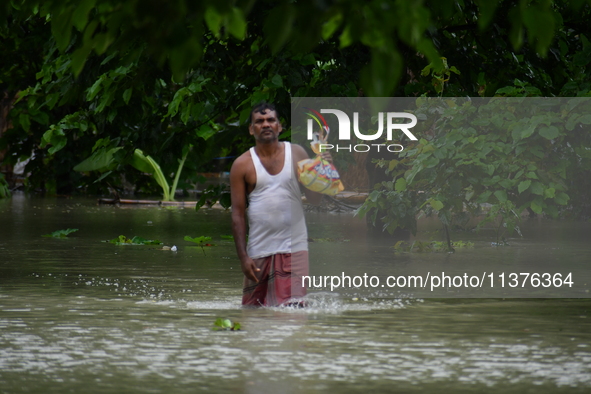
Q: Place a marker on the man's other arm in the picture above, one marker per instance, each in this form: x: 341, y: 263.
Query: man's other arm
x: 238, y: 194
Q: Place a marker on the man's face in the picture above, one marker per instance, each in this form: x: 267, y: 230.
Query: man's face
x: 265, y: 126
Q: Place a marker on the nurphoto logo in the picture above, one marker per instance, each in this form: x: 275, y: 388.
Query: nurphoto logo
x: 392, y: 120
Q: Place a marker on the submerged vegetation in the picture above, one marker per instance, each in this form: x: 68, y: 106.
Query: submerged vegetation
x: 430, y: 246
x: 61, y: 233
x: 123, y: 240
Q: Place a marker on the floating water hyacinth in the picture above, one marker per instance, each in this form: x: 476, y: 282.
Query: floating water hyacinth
x: 61, y: 233
x: 430, y: 246
x: 201, y: 241
x: 123, y: 240
x: 222, y: 324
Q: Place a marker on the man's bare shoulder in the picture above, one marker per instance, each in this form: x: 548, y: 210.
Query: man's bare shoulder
x: 242, y: 163
x: 298, y: 152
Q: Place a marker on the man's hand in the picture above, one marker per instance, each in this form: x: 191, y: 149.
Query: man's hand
x: 298, y: 154
x: 326, y: 156
x: 249, y: 268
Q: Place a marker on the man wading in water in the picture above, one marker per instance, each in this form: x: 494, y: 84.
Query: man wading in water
x: 276, y: 256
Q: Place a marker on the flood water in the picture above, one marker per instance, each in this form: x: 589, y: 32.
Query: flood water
x: 78, y: 315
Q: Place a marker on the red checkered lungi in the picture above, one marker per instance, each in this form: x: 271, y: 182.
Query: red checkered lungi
x: 280, y: 280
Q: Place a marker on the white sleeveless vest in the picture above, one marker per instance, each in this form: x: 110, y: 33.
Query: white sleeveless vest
x: 275, y: 211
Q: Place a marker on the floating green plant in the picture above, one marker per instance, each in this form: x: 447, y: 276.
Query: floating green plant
x: 225, y: 325
x: 200, y: 241
x: 123, y: 240
x: 61, y: 233
x: 430, y: 246
x: 328, y: 240
x: 503, y: 242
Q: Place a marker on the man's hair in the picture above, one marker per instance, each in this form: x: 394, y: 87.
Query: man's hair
x: 262, y: 108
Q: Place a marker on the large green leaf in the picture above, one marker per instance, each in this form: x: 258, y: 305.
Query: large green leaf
x: 237, y: 23
x: 523, y: 186
x: 400, y: 185
x: 141, y: 162
x: 101, y: 160
x: 436, y: 204
x: 501, y: 195
x: 549, y: 132
x: 147, y: 164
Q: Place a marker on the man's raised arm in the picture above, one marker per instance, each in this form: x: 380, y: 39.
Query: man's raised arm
x: 299, y: 153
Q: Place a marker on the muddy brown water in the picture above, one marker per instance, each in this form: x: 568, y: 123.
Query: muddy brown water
x: 78, y: 315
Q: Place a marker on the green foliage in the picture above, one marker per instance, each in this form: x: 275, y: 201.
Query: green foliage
x: 511, y: 154
x: 174, y: 31
x: 504, y: 221
x: 215, y: 193
x: 123, y: 103
x: 200, y: 241
x: 222, y: 324
x: 430, y: 246
x: 322, y: 240
x: 61, y: 233
x: 148, y: 165
x: 401, y: 208
x: 440, y: 76
x: 4, y: 189
x: 123, y: 240
x: 161, y: 76
x: 102, y: 159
